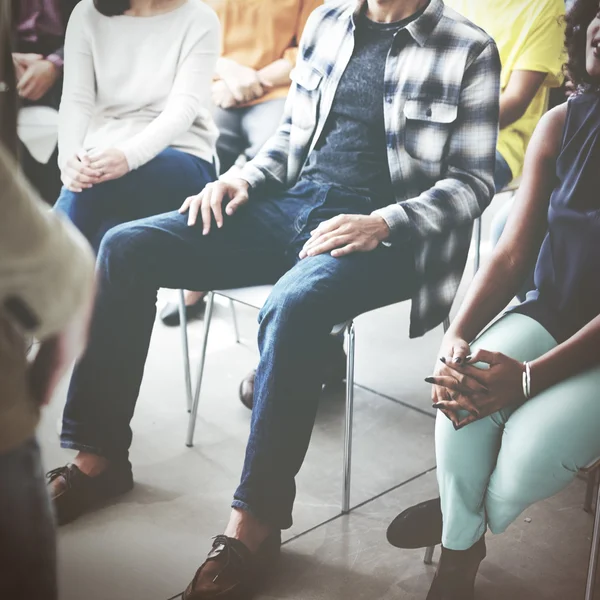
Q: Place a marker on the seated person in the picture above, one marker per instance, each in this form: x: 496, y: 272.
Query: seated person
x: 517, y: 432
x: 135, y: 134
x: 258, y: 51
x: 346, y: 209
x: 529, y: 36
x: 39, y: 34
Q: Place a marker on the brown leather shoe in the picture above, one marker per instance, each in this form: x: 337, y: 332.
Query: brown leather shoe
x: 334, y: 375
x: 73, y: 493
x: 231, y: 571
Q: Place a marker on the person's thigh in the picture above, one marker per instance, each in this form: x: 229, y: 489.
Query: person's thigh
x: 159, y: 186
x: 466, y: 458
x: 332, y: 290
x: 163, y: 251
x: 231, y: 142
x: 545, y: 442
x: 502, y: 173
x: 27, y: 540
x: 162, y: 184
x: 259, y: 123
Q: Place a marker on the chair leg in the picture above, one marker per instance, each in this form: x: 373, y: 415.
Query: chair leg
x: 595, y: 550
x: 592, y: 484
x: 186, y: 350
x: 477, y: 240
x: 194, y: 414
x: 446, y: 324
x: 349, y: 420
x: 236, y: 328
x: 428, y: 560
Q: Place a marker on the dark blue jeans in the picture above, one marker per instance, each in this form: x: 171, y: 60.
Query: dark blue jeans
x: 159, y: 186
x: 27, y: 540
x: 258, y: 245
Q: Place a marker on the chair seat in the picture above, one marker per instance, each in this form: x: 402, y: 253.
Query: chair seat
x: 255, y: 297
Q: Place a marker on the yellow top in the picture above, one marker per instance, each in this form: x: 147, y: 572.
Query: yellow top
x: 256, y: 33
x: 530, y: 37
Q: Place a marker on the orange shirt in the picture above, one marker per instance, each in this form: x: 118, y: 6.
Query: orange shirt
x: 256, y: 33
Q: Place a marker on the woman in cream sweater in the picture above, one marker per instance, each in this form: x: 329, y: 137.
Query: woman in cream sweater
x: 136, y: 136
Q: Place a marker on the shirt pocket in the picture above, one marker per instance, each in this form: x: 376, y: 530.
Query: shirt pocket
x: 428, y: 124
x: 307, y: 82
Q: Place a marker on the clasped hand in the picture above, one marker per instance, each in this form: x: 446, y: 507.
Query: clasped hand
x: 459, y: 385
x: 83, y: 171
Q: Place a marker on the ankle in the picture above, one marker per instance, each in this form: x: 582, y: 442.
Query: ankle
x: 247, y: 529
x: 192, y: 298
x: 91, y: 465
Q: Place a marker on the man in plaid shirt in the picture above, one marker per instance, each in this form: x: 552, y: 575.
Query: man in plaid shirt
x: 365, y: 197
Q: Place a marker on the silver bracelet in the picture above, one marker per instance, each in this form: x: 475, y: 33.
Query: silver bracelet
x: 527, y: 380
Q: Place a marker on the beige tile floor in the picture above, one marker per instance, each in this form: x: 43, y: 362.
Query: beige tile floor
x: 147, y: 545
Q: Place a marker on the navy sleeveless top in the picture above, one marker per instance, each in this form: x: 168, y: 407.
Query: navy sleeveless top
x: 567, y: 274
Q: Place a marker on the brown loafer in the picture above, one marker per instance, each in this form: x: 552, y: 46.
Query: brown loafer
x: 333, y: 376
x: 247, y: 389
x: 231, y: 571
x: 73, y: 493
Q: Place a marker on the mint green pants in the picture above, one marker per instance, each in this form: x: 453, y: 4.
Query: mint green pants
x: 490, y: 471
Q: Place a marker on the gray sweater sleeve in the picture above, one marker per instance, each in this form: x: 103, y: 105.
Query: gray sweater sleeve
x: 46, y: 265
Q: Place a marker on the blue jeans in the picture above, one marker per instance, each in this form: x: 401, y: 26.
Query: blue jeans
x: 258, y: 245
x: 27, y: 540
x: 159, y: 186
x: 502, y: 174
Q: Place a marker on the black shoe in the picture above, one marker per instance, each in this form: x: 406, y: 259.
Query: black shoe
x: 417, y: 527
x: 232, y: 572
x: 170, y: 313
x: 456, y: 573
x: 73, y: 493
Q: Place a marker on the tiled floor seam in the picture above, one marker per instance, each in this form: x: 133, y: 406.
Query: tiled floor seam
x: 429, y: 414
x: 361, y: 505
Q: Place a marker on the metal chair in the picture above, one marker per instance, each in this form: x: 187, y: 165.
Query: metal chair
x: 255, y: 297
x: 593, y: 482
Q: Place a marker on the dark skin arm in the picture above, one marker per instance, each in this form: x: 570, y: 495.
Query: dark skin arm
x: 518, y: 95
x: 497, y: 283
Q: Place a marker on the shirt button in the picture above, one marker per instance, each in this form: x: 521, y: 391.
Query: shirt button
x: 389, y: 100
x: 429, y: 112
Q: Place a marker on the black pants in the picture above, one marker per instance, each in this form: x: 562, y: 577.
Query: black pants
x: 27, y: 543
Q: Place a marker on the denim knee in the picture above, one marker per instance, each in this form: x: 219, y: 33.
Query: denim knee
x: 116, y: 253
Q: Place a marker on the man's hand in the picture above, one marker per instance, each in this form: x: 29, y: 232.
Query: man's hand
x: 489, y: 390
x: 209, y: 202
x: 37, y: 80
x: 110, y: 163
x: 222, y: 96
x: 77, y: 175
x: 346, y: 234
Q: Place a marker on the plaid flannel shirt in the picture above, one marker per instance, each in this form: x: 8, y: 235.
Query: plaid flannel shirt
x: 441, y: 106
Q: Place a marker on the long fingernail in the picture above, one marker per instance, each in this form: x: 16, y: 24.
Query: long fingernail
x: 429, y: 380
x: 458, y: 360
x: 457, y: 427
x: 437, y: 406
x: 443, y: 359
x: 468, y: 358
